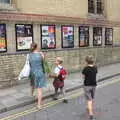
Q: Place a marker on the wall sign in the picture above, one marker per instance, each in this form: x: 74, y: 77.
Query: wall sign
x: 67, y: 36
x: 48, y: 37
x: 3, y: 40
x: 24, y: 36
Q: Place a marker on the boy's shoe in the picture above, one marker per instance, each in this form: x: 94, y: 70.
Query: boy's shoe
x: 92, y: 117
x: 65, y: 101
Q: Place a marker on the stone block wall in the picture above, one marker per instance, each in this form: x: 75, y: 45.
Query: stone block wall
x: 12, y: 64
x: 12, y: 61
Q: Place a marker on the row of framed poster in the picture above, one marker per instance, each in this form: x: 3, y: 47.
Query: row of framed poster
x: 24, y: 36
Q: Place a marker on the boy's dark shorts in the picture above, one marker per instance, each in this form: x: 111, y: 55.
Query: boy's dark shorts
x: 89, y: 92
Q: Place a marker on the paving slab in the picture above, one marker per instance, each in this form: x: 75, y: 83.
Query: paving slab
x: 18, y: 96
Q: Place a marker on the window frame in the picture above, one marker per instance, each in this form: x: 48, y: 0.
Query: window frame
x: 43, y: 25
x: 90, y: 2
x: 85, y: 45
x: 97, y: 7
x: 17, y: 48
x: 6, y: 2
x: 62, y: 37
x: 8, y: 6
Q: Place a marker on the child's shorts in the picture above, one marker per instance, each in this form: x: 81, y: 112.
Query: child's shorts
x: 89, y: 92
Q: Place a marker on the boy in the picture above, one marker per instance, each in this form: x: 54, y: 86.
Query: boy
x: 58, y: 83
x: 89, y: 73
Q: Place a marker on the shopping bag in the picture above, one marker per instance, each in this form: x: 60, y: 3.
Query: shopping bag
x: 46, y: 66
x: 25, y: 72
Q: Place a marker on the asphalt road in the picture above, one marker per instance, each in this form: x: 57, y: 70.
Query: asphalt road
x: 107, y: 106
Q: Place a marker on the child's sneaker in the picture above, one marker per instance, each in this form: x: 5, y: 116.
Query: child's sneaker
x: 92, y: 117
x: 65, y: 101
x: 55, y: 98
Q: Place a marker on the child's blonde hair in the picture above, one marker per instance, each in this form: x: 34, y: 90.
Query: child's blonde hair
x: 59, y: 59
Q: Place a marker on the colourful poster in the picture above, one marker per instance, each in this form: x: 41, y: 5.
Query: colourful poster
x: 3, y: 45
x: 67, y: 36
x: 48, y: 37
x: 83, y: 36
x: 24, y: 36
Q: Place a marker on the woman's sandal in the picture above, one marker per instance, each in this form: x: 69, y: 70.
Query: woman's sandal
x: 39, y: 107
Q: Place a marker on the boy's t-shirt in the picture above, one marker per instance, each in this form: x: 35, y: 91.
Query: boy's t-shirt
x: 90, y: 75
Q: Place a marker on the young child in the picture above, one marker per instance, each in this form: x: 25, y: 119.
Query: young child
x: 89, y: 73
x: 58, y: 83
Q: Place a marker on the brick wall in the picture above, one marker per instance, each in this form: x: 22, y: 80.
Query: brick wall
x: 73, y: 60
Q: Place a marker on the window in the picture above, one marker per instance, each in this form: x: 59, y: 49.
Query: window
x: 91, y: 6
x: 48, y: 37
x: 3, y: 41
x: 108, y: 36
x: 97, y: 36
x: 24, y: 36
x: 99, y: 6
x: 67, y: 36
x: 7, y: 5
x: 5, y: 1
x: 83, y: 36
x: 95, y: 6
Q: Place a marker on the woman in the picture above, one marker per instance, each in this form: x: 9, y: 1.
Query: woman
x: 37, y: 76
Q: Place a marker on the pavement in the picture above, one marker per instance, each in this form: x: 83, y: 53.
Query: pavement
x: 19, y: 95
x: 106, y: 106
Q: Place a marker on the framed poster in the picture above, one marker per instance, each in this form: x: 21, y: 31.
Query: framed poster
x: 24, y: 36
x: 97, y: 36
x: 3, y: 41
x: 83, y: 36
x: 108, y: 36
x: 67, y: 35
x: 48, y: 37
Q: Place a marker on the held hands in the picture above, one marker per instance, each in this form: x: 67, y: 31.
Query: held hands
x: 53, y: 75
x: 50, y: 75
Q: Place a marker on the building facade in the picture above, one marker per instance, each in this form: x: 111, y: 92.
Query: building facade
x: 70, y: 29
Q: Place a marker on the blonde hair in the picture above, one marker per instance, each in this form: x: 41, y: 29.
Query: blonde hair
x: 59, y: 59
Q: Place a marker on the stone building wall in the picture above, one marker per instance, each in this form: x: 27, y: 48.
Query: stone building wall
x: 12, y: 61
x: 69, y: 8
x: 73, y: 8
x: 59, y: 12
x: 11, y: 64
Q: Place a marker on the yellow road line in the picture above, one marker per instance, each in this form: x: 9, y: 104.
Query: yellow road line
x: 32, y: 110
x: 35, y: 110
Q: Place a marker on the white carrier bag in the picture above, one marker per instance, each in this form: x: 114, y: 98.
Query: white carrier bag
x: 25, y: 72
